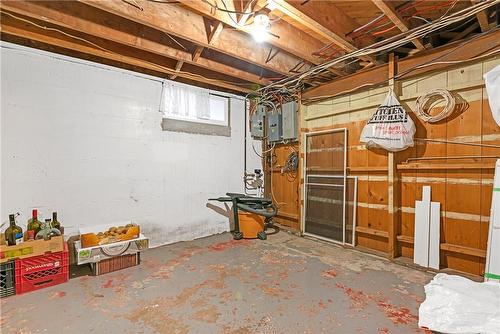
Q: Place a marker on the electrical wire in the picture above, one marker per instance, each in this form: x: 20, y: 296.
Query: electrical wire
x: 263, y: 153
x: 188, y: 75
x: 425, y: 102
x: 216, y: 7
x: 291, y: 163
x: 294, y: 83
x: 430, y: 63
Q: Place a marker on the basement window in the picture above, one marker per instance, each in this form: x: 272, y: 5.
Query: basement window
x: 194, y: 110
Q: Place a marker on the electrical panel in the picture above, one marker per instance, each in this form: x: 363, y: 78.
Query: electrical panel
x: 273, y: 127
x: 289, y: 115
x: 257, y: 123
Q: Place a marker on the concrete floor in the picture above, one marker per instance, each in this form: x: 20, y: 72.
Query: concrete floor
x: 216, y: 285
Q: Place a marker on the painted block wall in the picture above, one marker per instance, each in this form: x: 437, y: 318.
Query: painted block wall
x: 85, y: 140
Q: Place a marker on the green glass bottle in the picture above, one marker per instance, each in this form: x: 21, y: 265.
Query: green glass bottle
x: 47, y: 231
x: 55, y: 222
x: 33, y: 223
x: 13, y: 233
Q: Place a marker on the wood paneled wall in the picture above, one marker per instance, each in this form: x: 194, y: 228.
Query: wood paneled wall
x: 285, y: 186
x: 463, y: 187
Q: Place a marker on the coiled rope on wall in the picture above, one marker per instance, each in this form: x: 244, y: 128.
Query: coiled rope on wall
x: 429, y: 100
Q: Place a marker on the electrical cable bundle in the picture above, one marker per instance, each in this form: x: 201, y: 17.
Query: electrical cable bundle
x: 293, y: 83
x: 291, y: 164
x: 425, y: 102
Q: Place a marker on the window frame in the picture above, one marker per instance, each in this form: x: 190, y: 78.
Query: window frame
x: 197, y: 125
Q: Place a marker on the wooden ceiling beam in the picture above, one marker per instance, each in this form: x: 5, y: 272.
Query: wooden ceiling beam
x: 63, y: 42
x: 66, y: 14
x: 326, y: 34
x: 482, y: 18
x: 465, y: 32
x: 181, y: 22
x: 378, y: 75
x: 212, y: 36
x: 393, y: 15
x: 252, y: 5
x: 288, y: 38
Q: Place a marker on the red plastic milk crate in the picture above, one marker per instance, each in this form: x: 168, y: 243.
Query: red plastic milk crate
x: 38, y: 272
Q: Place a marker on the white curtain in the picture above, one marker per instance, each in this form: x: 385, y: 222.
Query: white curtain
x: 185, y: 101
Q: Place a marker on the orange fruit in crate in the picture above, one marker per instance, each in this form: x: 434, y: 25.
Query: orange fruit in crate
x: 89, y: 240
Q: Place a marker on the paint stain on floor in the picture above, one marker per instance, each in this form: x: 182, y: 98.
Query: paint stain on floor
x: 285, y: 284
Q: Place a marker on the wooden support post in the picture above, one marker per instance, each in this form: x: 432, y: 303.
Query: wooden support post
x: 393, y: 189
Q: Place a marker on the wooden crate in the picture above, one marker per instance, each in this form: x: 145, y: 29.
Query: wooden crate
x: 31, y: 248
x: 115, y: 263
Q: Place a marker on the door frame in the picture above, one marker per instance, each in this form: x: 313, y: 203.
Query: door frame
x: 304, y: 186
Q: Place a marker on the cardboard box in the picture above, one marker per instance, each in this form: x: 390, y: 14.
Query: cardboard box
x: 89, y: 235
x: 97, y: 253
x: 31, y: 248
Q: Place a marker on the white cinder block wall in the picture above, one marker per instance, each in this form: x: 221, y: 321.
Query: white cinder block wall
x: 85, y: 140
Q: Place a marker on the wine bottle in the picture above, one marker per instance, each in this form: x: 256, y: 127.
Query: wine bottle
x: 13, y: 233
x: 33, y: 223
x: 47, y: 231
x: 55, y: 222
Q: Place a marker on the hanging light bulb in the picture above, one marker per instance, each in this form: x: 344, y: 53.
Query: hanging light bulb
x: 260, y: 27
x: 271, y: 5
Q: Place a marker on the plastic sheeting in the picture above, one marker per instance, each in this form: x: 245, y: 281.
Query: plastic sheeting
x: 455, y: 304
x: 492, y: 80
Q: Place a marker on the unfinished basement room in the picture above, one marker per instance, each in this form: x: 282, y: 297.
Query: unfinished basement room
x: 250, y: 166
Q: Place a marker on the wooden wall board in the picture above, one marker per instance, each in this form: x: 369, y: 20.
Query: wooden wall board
x: 464, y: 194
x: 285, y: 189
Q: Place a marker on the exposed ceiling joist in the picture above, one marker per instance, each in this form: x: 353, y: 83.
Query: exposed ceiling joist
x: 65, y: 14
x: 393, y: 15
x: 48, y: 38
x: 212, y: 36
x: 181, y: 22
x: 252, y: 5
x: 482, y: 18
x: 465, y: 32
x: 327, y: 35
x: 288, y: 38
x: 378, y: 75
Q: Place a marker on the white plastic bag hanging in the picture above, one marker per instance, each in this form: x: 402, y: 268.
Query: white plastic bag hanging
x: 390, y: 127
x: 492, y: 79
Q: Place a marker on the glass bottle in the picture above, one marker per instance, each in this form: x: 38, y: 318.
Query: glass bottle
x: 47, y: 231
x: 55, y: 222
x: 33, y: 223
x: 13, y: 233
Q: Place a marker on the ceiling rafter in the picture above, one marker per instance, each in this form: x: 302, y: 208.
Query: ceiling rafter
x: 323, y: 32
x: 9, y: 27
x: 393, y: 15
x: 212, y: 36
x: 326, y: 34
x: 60, y: 13
x: 465, y: 32
x: 252, y: 5
x: 183, y: 23
x: 287, y: 37
x: 378, y: 75
x: 482, y: 18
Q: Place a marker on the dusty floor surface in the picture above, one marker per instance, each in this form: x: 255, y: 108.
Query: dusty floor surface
x: 216, y: 285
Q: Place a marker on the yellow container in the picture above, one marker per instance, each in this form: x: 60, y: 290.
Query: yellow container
x: 250, y: 224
